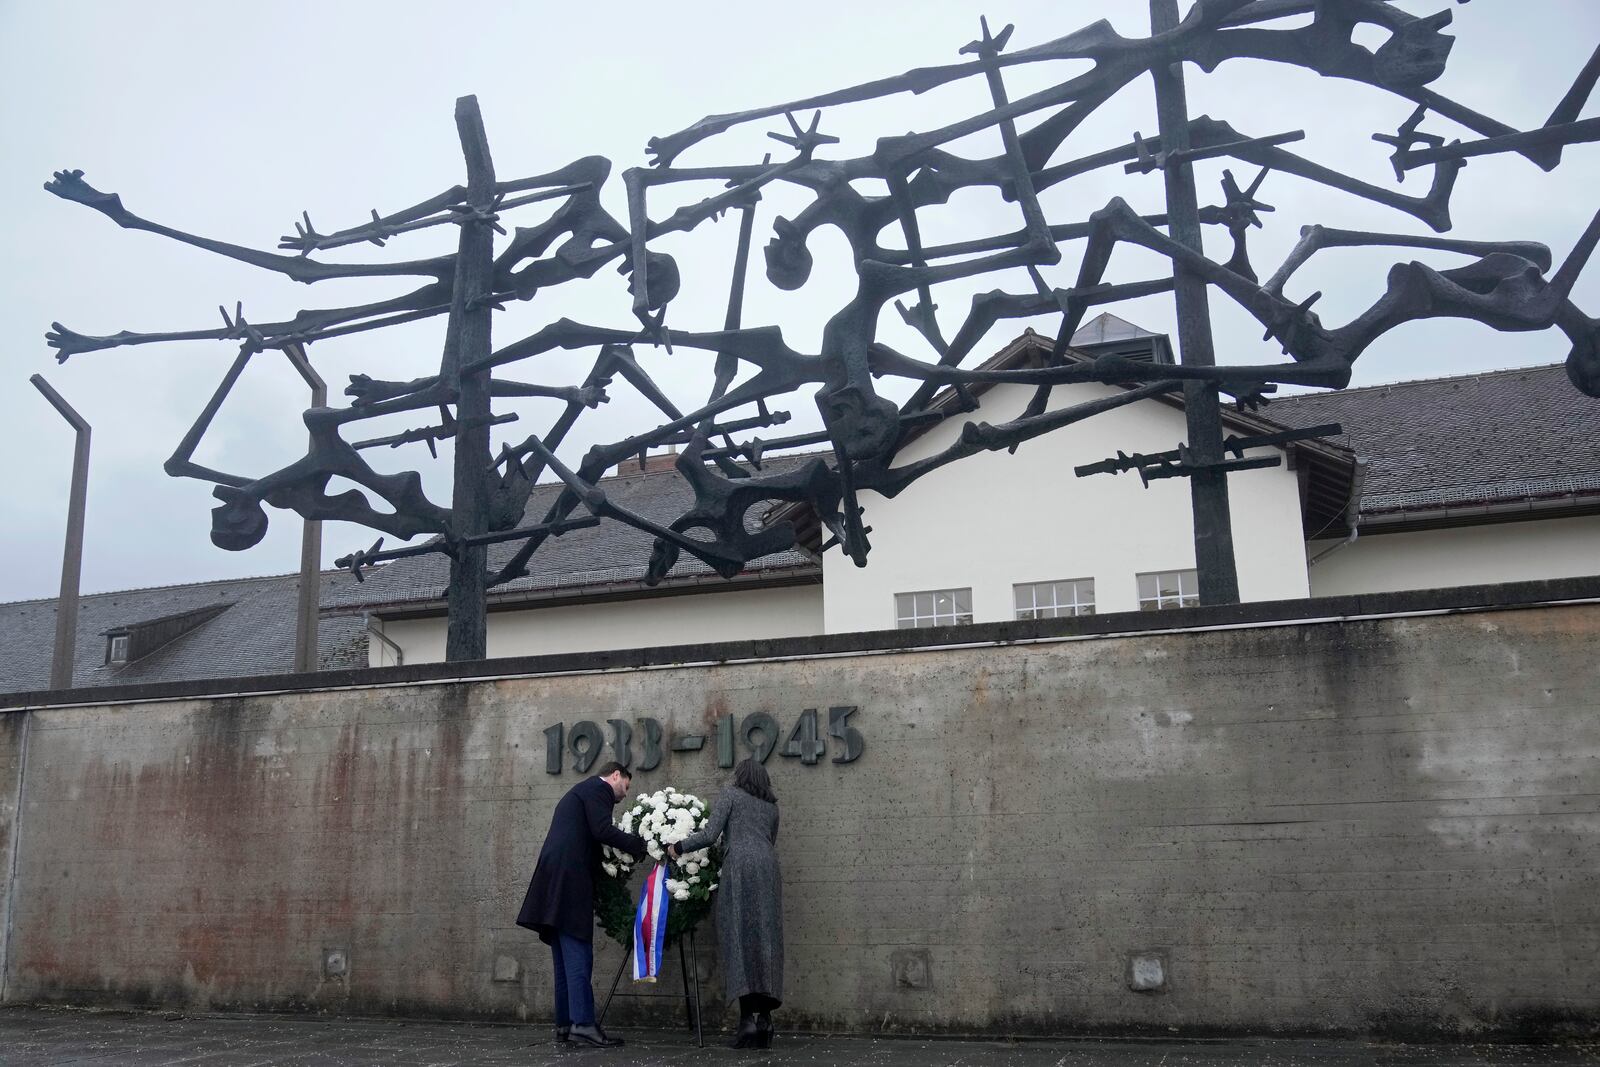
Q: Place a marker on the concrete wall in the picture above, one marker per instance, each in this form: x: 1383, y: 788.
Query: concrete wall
x: 794, y: 611
x: 1439, y: 559
x: 967, y: 525
x: 13, y: 742
x: 1369, y: 825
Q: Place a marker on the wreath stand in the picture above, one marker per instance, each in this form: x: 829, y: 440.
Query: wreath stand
x: 691, y: 1000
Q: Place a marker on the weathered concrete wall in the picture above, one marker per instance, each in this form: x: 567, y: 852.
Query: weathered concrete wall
x: 1358, y: 825
x: 13, y: 731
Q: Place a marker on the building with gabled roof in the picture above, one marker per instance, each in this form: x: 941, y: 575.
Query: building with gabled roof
x: 232, y: 628
x: 1465, y: 480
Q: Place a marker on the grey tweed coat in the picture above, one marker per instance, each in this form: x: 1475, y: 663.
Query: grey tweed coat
x: 749, y: 892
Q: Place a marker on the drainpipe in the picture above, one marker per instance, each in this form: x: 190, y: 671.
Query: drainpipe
x: 1352, y: 514
x: 375, y: 628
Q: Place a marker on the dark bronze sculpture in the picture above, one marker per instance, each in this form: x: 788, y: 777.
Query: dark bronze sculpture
x: 1507, y: 285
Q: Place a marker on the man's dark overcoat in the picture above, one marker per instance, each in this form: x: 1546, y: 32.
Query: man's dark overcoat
x: 560, y: 897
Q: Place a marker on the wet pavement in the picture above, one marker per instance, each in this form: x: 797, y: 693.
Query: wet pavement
x: 37, y: 1036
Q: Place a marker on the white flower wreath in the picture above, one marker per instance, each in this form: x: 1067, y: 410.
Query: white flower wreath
x: 664, y: 818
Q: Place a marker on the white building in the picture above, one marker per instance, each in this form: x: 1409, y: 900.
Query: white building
x: 1469, y: 480
x: 1457, y: 481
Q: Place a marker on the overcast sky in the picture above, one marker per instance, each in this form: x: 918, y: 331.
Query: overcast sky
x: 228, y: 120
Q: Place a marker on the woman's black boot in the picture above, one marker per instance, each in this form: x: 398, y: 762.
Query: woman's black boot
x: 764, y: 1030
x: 746, y: 1037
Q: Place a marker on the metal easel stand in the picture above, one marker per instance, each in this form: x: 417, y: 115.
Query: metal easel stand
x: 691, y: 1000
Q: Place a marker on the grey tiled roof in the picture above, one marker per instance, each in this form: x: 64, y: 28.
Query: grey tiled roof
x: 253, y: 636
x: 603, y: 555
x: 1472, y: 439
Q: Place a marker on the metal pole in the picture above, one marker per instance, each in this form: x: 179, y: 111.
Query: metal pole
x: 600, y: 1020
x: 305, y: 626
x: 699, y: 1011
x: 72, y: 551
x: 1208, y: 489
x: 467, y: 341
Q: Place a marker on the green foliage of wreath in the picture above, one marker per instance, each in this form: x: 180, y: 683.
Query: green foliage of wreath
x: 616, y: 901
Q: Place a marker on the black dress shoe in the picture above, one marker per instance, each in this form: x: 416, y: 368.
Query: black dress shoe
x: 563, y: 1034
x: 747, y: 1037
x: 593, y: 1035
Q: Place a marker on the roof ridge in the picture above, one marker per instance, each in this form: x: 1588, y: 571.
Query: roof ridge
x: 328, y: 573
x: 635, y: 472
x: 1418, y: 381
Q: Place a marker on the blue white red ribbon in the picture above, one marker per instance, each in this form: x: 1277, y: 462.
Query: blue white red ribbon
x: 650, y: 925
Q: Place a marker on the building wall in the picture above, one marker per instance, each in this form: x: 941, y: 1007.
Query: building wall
x: 748, y: 614
x: 13, y: 744
x: 1378, y: 825
x: 993, y: 520
x: 1467, y: 555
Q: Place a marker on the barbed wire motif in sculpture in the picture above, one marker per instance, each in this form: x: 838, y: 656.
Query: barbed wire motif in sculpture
x: 1507, y: 285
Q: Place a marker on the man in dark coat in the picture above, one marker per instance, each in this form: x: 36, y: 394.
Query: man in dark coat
x: 560, y: 901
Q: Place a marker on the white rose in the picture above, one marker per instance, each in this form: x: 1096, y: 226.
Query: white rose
x: 692, y: 867
x: 654, y: 850
x: 609, y: 868
x: 682, y: 894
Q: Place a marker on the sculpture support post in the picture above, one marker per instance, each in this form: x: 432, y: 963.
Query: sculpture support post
x: 1208, y: 488
x: 467, y: 343
x: 72, y: 550
x: 309, y: 600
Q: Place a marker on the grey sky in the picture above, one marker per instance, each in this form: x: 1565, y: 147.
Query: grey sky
x: 228, y: 120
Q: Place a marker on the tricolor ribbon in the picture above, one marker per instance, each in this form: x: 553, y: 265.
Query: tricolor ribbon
x: 650, y: 925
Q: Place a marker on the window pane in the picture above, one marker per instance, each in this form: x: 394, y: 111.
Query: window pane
x: 963, y: 599
x: 924, y: 603
x: 1147, y: 586
x: 1054, y: 600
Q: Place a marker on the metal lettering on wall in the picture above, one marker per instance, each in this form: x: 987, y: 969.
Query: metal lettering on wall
x: 758, y: 734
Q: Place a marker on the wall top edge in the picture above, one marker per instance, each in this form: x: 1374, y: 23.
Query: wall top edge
x: 1312, y: 611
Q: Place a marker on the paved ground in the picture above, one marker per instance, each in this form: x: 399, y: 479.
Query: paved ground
x: 31, y: 1036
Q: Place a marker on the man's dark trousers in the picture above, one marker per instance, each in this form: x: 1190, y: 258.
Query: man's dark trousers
x: 574, y: 962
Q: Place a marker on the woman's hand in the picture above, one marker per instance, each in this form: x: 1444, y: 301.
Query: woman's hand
x: 672, y: 851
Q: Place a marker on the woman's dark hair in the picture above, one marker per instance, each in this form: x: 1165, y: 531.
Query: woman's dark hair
x: 752, y: 778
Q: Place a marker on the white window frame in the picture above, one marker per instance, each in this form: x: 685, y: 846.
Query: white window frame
x: 1186, y: 581
x: 1045, y: 600
x: 111, y: 649
x: 923, y: 609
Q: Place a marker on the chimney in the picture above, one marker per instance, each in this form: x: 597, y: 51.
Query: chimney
x: 665, y: 460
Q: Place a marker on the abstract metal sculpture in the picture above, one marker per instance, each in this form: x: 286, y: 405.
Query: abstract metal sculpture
x: 1506, y: 285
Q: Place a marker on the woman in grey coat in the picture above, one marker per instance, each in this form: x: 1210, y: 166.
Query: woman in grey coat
x: 749, y: 898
